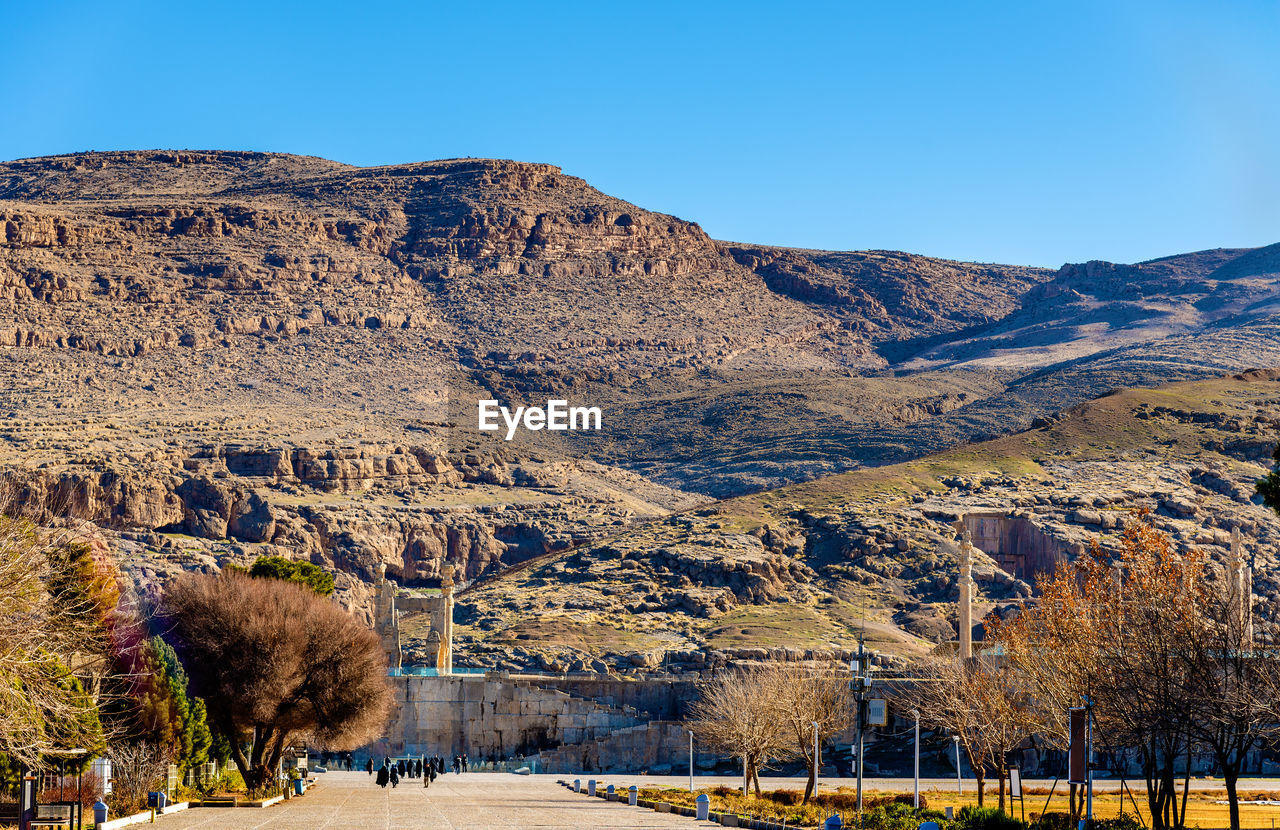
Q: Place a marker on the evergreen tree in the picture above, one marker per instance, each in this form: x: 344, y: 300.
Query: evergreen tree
x: 164, y: 711
x: 291, y: 570
x: 1269, y: 485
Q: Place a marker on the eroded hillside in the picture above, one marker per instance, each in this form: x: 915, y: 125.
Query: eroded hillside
x: 872, y: 553
x: 217, y: 355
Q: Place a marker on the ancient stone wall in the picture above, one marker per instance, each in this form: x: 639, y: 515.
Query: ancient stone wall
x: 491, y: 718
x: 494, y: 718
x: 659, y: 699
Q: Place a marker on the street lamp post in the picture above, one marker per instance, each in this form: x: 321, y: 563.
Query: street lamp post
x: 690, y: 760
x: 915, y: 802
x: 959, y: 787
x: 815, y: 758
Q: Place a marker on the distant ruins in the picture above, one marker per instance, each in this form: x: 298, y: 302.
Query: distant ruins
x: 387, y: 608
x: 1020, y: 548
x: 1014, y: 542
x: 1240, y: 590
x: 964, y: 622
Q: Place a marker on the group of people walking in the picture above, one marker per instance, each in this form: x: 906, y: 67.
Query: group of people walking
x: 392, y: 770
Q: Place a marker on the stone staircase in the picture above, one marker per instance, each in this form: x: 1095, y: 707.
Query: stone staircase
x: 652, y: 746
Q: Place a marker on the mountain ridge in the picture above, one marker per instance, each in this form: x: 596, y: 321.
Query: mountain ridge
x: 216, y: 356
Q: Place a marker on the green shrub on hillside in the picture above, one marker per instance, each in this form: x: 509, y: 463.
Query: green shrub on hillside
x: 304, y: 573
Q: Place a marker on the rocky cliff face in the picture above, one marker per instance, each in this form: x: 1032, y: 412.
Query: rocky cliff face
x: 215, y: 355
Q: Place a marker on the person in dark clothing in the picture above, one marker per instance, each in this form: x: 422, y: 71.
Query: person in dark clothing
x: 400, y: 767
x: 368, y: 765
x: 383, y: 776
x: 395, y: 776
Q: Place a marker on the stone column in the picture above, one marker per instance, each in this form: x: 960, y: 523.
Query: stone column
x: 387, y: 618
x: 444, y: 657
x: 1240, y: 590
x: 964, y: 607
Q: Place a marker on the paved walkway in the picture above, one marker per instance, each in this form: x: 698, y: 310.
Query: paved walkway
x: 902, y: 785
x: 478, y: 800
x: 471, y: 801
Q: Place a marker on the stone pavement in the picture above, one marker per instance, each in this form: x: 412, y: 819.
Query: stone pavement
x: 471, y: 801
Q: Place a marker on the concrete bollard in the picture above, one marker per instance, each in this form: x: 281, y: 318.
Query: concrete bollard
x: 704, y: 807
x: 577, y: 785
x: 833, y: 823
x: 610, y: 794
x: 591, y: 787
x: 632, y: 794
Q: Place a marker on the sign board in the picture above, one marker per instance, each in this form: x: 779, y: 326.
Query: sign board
x: 1078, y: 754
x: 877, y: 712
x: 301, y: 763
x: 1015, y: 782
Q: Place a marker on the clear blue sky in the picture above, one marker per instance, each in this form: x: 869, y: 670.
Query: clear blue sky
x: 1021, y: 132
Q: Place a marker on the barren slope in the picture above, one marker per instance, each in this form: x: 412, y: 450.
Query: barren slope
x: 871, y: 553
x: 216, y: 355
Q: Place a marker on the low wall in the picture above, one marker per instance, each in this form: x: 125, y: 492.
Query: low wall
x: 490, y: 718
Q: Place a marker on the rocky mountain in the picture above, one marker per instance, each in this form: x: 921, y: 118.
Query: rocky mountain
x: 215, y: 355
x: 872, y: 554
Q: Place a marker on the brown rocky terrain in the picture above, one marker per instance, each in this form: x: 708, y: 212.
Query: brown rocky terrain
x: 810, y: 568
x: 216, y: 355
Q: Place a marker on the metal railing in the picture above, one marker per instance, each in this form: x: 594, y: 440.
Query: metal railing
x: 430, y: 671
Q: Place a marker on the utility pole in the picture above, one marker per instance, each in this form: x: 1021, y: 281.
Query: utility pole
x: 861, y: 683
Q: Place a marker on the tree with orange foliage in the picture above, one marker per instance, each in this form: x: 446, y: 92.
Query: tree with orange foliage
x: 1152, y: 641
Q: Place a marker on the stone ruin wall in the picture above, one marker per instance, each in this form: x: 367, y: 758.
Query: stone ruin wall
x: 1016, y: 544
x: 494, y: 718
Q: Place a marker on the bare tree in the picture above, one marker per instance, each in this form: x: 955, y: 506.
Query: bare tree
x: 983, y: 702
x: 1054, y: 650
x: 137, y: 767
x: 807, y: 695
x: 1235, y: 672
x: 735, y: 713
x: 277, y: 663
x: 56, y: 595
x: 1122, y: 628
